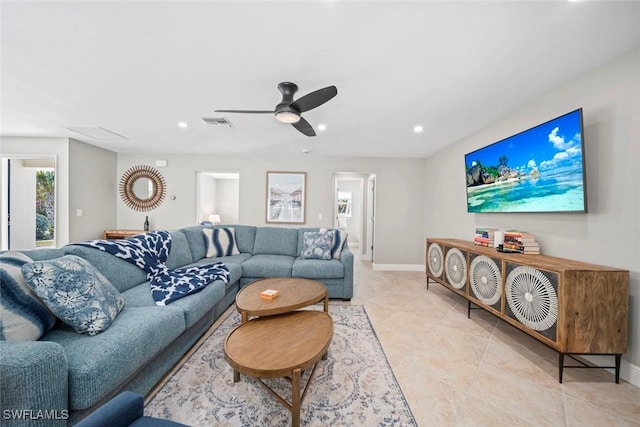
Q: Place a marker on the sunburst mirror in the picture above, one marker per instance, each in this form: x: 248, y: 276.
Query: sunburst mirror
x: 142, y: 188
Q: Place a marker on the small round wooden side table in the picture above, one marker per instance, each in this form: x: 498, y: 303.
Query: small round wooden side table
x: 277, y: 346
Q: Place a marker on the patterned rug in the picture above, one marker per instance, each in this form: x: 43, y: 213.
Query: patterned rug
x: 355, y: 386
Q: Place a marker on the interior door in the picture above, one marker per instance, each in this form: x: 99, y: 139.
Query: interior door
x: 371, y: 216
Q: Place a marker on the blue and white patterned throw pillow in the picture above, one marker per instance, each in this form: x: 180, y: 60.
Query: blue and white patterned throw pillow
x: 220, y: 242
x: 76, y: 292
x: 338, y: 242
x: 23, y: 317
x: 317, y: 244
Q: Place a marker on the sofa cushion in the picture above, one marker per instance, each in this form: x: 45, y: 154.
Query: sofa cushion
x: 99, y: 364
x: 193, y: 306
x: 196, y: 242
x: 24, y: 316
x: 317, y: 244
x: 235, y: 259
x: 220, y: 242
x: 120, y: 273
x: 233, y: 263
x: 75, y: 292
x: 180, y: 253
x: 245, y: 237
x: 317, y: 269
x: 276, y: 241
x: 41, y: 254
x: 268, y: 266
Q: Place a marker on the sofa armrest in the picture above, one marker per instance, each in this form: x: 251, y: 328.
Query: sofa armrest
x: 33, y: 384
x: 346, y: 257
x: 122, y: 410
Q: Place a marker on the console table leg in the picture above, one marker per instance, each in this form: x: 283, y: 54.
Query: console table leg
x: 618, y: 357
x: 295, y: 398
x: 560, y: 366
x: 468, y: 309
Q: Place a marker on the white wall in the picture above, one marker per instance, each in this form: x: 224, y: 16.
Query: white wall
x: 227, y: 198
x: 93, y: 188
x: 207, y: 194
x: 609, y: 233
x: 398, y: 236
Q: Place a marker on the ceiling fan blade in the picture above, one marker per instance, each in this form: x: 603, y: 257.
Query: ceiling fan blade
x: 303, y: 126
x: 246, y: 111
x: 314, y: 99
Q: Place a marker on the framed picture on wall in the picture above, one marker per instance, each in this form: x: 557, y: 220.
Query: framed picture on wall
x: 286, y: 197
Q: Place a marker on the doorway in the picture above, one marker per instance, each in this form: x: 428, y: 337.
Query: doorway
x: 28, y: 217
x: 353, y: 207
x: 218, y: 198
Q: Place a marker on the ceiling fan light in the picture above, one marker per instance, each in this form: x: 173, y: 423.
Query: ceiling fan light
x: 287, y: 117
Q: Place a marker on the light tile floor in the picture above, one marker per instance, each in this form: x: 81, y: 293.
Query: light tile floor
x: 456, y: 371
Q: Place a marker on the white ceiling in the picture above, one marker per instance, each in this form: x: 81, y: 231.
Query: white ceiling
x: 139, y: 68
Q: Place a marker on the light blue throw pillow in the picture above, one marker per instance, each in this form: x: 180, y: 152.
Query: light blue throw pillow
x: 76, y: 292
x: 317, y: 244
x: 220, y: 242
x: 23, y: 316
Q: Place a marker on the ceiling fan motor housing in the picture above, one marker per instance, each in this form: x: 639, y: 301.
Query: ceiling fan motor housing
x: 285, y: 112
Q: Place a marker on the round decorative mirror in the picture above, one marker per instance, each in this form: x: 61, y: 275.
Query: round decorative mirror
x: 142, y: 188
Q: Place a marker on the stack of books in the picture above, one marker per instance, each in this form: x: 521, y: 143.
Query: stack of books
x: 484, y: 237
x: 520, y: 241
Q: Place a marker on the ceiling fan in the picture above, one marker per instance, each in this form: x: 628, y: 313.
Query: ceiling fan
x: 289, y: 111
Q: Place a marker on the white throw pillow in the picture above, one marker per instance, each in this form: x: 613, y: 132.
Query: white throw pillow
x: 220, y: 242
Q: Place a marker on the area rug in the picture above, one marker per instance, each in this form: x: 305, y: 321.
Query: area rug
x: 355, y: 386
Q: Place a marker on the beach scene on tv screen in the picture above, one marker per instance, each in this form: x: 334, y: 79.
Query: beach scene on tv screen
x: 539, y: 170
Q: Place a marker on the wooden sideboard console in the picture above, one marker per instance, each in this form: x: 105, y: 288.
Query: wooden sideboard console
x: 120, y: 234
x: 574, y: 307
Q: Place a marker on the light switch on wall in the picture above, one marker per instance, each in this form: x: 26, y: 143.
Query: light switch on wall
x: 319, y: 215
x: 78, y: 212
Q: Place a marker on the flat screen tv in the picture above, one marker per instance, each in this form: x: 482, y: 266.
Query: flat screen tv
x: 538, y: 170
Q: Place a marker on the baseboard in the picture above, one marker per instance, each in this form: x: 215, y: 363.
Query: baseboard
x: 628, y: 371
x: 398, y: 267
x: 631, y: 373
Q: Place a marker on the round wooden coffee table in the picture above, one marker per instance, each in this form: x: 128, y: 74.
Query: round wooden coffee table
x: 282, y: 345
x: 295, y: 293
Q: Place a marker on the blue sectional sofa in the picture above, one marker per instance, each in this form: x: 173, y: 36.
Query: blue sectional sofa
x: 67, y: 373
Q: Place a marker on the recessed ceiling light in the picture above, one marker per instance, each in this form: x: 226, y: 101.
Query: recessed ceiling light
x: 183, y: 125
x: 322, y: 126
x: 305, y: 150
x: 418, y: 129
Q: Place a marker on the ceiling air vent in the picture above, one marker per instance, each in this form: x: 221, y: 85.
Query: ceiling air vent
x: 97, y: 132
x: 217, y: 122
